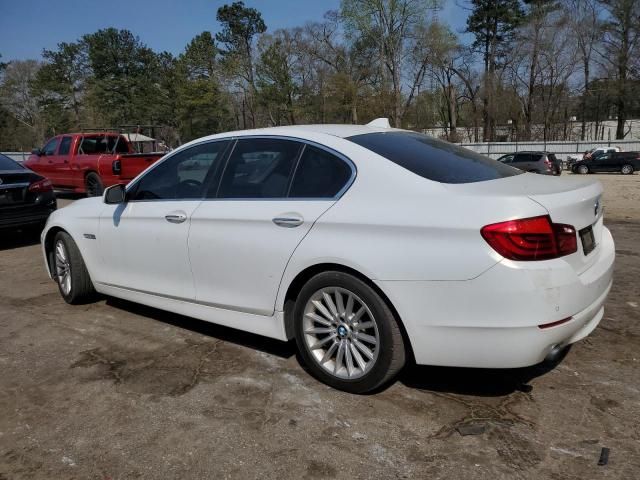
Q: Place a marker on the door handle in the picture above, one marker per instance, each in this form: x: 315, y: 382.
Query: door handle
x: 175, y: 217
x: 288, y: 222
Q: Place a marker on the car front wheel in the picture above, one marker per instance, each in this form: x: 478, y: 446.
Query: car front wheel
x: 346, y: 333
x: 627, y: 169
x: 583, y: 169
x: 70, y: 272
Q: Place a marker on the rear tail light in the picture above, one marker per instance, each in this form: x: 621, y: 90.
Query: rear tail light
x: 535, y: 238
x: 41, y: 186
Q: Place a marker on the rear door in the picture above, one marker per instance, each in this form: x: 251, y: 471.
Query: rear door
x: 522, y: 161
x: 604, y: 163
x: 271, y: 193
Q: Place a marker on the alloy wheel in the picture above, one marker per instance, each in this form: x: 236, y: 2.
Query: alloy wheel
x: 341, y: 333
x: 63, y: 268
x: 627, y: 169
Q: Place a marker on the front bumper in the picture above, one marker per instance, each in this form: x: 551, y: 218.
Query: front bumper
x: 493, y: 320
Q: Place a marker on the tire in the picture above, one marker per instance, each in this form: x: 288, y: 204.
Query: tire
x: 93, y: 185
x: 367, y: 348
x: 582, y: 169
x: 75, y: 287
x: 627, y: 169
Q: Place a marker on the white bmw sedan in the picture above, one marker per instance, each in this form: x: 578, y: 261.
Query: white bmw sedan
x: 370, y: 246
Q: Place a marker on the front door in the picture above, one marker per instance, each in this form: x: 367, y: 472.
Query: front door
x: 243, y: 236
x: 46, y: 161
x: 143, y: 242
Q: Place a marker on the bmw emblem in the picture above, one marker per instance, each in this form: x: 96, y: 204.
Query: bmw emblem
x: 342, y: 330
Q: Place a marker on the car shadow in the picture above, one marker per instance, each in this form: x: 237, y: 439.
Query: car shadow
x: 464, y: 381
x: 227, y: 334
x: 18, y: 238
x: 480, y: 382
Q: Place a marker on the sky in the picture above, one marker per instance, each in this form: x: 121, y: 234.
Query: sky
x: 28, y: 26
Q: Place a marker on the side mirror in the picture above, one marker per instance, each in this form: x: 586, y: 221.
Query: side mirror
x: 115, y: 194
x: 36, y: 151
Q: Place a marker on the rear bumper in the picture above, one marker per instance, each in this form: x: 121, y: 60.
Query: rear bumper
x: 493, y: 320
x: 29, y: 214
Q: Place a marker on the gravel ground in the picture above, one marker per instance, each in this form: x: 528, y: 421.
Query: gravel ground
x: 113, y: 390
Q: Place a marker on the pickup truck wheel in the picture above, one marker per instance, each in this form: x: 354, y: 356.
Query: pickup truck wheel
x: 93, y: 185
x: 583, y: 169
x: 627, y: 169
x: 70, y: 272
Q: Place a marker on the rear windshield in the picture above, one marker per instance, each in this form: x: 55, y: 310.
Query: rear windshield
x: 7, y: 164
x: 434, y: 159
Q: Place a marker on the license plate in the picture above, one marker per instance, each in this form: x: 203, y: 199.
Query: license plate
x: 587, y: 239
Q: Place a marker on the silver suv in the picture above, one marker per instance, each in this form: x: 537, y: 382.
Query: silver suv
x: 537, y: 162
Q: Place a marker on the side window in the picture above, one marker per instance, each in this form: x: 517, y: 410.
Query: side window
x: 319, y: 175
x: 506, y: 159
x: 119, y: 143
x: 51, y: 146
x: 89, y: 146
x: 259, y: 168
x: 522, y: 157
x: 183, y: 175
x: 65, y: 146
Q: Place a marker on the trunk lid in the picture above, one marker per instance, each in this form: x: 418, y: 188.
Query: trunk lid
x: 14, y: 186
x: 569, y: 200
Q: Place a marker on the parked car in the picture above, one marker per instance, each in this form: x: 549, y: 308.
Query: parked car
x: 368, y: 245
x: 592, y: 153
x: 623, y: 162
x: 536, y: 162
x: 26, y: 198
x: 89, y: 162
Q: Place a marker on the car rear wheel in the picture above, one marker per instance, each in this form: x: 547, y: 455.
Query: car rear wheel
x: 627, y: 169
x: 93, y: 185
x: 346, y: 333
x: 583, y: 169
x: 70, y: 272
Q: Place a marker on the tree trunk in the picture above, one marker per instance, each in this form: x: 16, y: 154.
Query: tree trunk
x: 583, y: 103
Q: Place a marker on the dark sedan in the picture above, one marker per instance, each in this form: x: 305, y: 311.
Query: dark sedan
x: 26, y: 198
x: 623, y: 162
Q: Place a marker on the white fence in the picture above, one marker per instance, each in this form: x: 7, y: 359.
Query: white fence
x: 17, y: 156
x: 561, y: 149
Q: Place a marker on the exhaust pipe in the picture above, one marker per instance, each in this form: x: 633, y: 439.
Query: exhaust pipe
x: 557, y: 353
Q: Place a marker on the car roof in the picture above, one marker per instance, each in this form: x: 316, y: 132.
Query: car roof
x: 336, y: 130
x: 534, y: 151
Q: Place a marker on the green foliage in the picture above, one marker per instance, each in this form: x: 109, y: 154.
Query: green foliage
x: 493, y: 24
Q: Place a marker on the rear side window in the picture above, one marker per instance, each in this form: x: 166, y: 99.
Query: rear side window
x: 65, y: 146
x: 434, y: 159
x: 259, y: 168
x: 320, y: 174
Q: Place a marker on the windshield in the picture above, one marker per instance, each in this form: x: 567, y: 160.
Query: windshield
x: 7, y: 164
x: 434, y: 159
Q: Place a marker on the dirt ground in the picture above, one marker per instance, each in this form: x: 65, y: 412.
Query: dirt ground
x: 115, y: 391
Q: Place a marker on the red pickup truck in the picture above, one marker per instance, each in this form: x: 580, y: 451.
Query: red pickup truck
x: 89, y: 162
